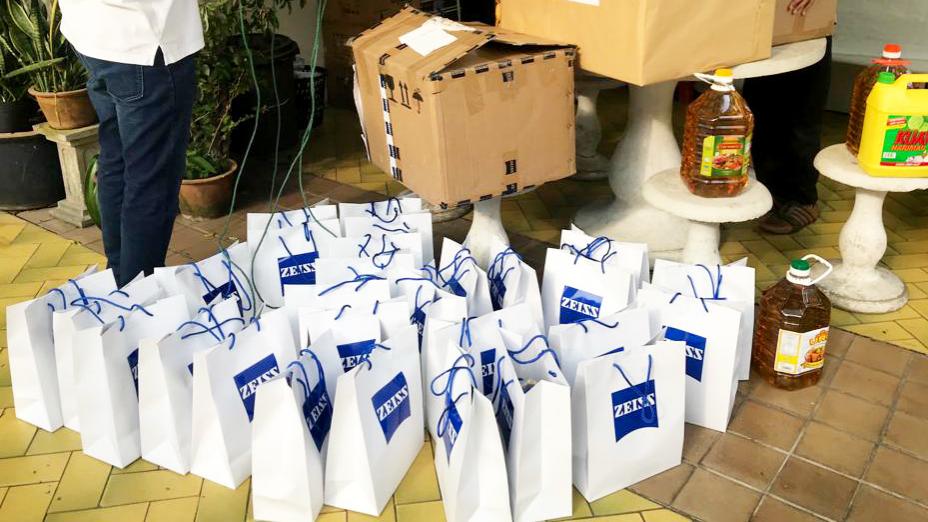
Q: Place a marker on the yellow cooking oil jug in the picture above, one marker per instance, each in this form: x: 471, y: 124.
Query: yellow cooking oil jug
x: 895, y: 137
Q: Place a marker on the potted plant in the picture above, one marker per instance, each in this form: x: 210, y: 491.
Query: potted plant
x: 58, y: 78
x: 16, y: 108
x: 223, y: 75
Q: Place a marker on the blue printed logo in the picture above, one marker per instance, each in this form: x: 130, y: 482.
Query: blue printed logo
x: 504, y: 415
x: 577, y: 305
x: 250, y: 378
x: 695, y: 350
x: 391, y: 403
x: 353, y: 354
x: 634, y: 408
x: 418, y: 317
x: 317, y: 409
x: 134, y: 368
x: 455, y: 287
x: 453, y: 423
x: 297, y: 269
x: 497, y: 292
x: 190, y: 369
x: 226, y: 290
x: 488, y: 369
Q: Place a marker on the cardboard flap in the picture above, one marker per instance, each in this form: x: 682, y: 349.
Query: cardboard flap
x: 513, y: 38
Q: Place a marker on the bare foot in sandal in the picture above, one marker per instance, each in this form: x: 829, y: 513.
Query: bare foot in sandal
x: 788, y: 218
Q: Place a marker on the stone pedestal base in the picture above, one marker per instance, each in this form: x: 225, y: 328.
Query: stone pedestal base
x: 76, y: 148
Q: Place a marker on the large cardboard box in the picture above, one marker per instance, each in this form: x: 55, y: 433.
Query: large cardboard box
x: 649, y: 41
x: 818, y: 22
x: 486, y: 112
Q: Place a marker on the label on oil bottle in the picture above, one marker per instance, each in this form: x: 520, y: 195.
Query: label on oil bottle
x: 906, y: 142
x: 800, y: 352
x: 725, y: 156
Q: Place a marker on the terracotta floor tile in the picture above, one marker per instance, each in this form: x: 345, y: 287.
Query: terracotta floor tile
x: 859, y: 417
x: 901, y: 473
x: 872, y: 504
x: 664, y: 486
x: 744, y: 460
x: 800, y: 402
x: 814, y: 488
x: 839, y: 341
x: 918, y: 369
x: 909, y: 433
x: 860, y: 381
x: 711, y: 497
x: 913, y: 399
x: 879, y: 356
x: 772, y: 510
x: 697, y: 441
x: 835, y: 449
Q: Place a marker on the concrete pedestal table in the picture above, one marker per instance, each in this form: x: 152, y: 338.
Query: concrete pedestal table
x: 857, y: 283
x: 75, y: 150
x: 649, y: 147
x: 591, y: 165
x: 667, y: 192
x: 486, y: 230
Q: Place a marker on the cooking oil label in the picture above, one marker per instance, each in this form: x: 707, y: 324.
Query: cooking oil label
x: 906, y: 142
x: 725, y: 156
x: 799, y: 353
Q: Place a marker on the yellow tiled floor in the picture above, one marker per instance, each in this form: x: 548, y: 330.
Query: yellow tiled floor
x: 45, y: 476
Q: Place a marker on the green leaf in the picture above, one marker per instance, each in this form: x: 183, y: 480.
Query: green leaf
x: 33, y: 67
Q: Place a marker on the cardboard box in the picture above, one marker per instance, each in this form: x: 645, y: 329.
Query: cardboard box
x: 817, y: 23
x: 487, y: 112
x: 649, y: 41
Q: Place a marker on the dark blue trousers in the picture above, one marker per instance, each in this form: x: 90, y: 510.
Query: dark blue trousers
x: 144, y: 116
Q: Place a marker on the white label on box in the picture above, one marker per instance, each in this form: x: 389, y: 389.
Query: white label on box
x: 427, y: 38
x: 587, y: 2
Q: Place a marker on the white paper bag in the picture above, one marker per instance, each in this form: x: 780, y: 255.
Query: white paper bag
x: 381, y: 249
x: 166, y: 383
x: 532, y: 401
x: 578, y: 342
x: 333, y: 291
x: 293, y: 414
x: 106, y: 373
x: 629, y: 256
x: 256, y: 222
x: 393, y: 316
x: 31, y: 348
x: 225, y: 378
x: 383, y: 210
x: 219, y: 277
x: 627, y: 417
x: 286, y: 257
x: 419, y: 223
x: 513, y: 282
x: 576, y: 288
x: 376, y: 427
x: 460, y: 275
x: 731, y: 285
x: 710, y: 332
x: 469, y: 459
x: 88, y: 311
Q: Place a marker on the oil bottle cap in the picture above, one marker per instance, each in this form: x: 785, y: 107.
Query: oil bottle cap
x: 799, y: 264
x: 725, y: 75
x: 892, y: 51
x: 886, y: 77
x: 799, y: 272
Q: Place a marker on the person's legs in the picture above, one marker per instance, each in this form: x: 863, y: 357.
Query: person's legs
x: 153, y: 107
x: 110, y: 166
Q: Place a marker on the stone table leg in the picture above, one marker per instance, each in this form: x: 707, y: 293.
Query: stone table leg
x: 591, y: 165
x: 857, y: 283
x: 702, y: 244
x: 486, y: 230
x: 75, y: 150
x: 648, y: 147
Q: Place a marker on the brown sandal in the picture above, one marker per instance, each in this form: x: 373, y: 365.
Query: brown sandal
x: 789, y: 218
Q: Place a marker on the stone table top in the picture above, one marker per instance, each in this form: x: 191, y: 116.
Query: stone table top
x: 666, y: 191
x: 837, y: 163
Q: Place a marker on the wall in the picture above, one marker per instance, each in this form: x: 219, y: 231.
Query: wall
x: 300, y: 25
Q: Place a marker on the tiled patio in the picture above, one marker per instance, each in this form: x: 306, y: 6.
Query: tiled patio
x: 852, y: 448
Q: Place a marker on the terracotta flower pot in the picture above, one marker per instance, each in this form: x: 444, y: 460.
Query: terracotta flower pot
x: 66, y: 110
x: 209, y: 197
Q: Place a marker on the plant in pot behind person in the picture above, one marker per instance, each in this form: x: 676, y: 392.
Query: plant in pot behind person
x: 16, y: 108
x: 58, y: 79
x: 223, y: 74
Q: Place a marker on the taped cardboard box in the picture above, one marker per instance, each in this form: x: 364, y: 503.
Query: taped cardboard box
x: 461, y: 113
x: 818, y: 22
x: 649, y: 41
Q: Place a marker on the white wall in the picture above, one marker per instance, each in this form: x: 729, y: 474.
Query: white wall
x: 300, y: 25
x: 865, y: 25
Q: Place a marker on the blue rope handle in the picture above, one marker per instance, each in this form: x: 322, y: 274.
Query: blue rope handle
x: 541, y: 353
x: 390, y: 201
x: 367, y: 360
x: 452, y: 372
x: 499, y: 262
x: 650, y: 415
x: 596, y: 321
x: 701, y: 300
x: 284, y: 244
x: 405, y: 228
x: 498, y: 385
x: 581, y: 253
x: 340, y: 312
x: 465, y: 333
x: 360, y: 279
x: 362, y: 248
x: 417, y: 308
x: 384, y: 252
x: 319, y: 369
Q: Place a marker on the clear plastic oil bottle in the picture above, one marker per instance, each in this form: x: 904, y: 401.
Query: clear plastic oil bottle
x: 717, y: 140
x: 892, y: 62
x: 792, y: 329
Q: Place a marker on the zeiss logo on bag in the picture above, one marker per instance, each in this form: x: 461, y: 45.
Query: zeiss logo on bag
x: 391, y: 403
x: 505, y: 415
x: 317, y: 409
x: 488, y: 369
x: 577, y: 305
x: 249, y: 379
x: 226, y: 290
x: 695, y: 350
x: 634, y: 408
x: 297, y: 269
x: 452, y: 428
x: 353, y: 354
x: 134, y: 368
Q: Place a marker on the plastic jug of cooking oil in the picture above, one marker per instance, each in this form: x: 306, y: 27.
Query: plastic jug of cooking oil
x: 891, y: 61
x: 717, y: 139
x: 792, y: 328
x: 895, y: 137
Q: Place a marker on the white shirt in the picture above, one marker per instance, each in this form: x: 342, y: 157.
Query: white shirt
x: 131, y: 31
